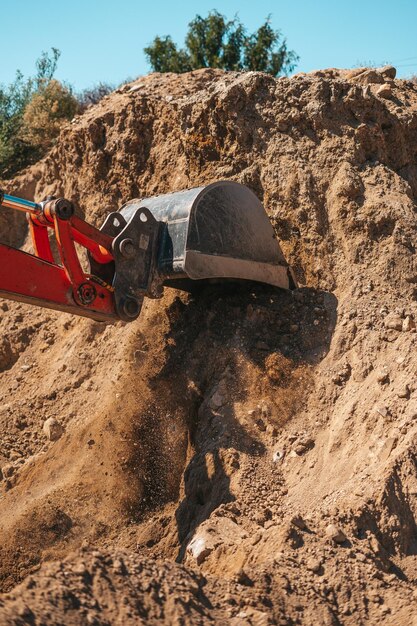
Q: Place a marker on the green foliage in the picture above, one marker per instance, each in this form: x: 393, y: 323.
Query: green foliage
x: 214, y: 41
x: 164, y: 56
x: 31, y: 113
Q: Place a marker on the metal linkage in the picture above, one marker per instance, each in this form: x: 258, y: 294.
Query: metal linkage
x: 39, y: 279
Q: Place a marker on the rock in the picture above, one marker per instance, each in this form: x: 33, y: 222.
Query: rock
x: 393, y: 321
x: 388, y: 71
x: 368, y: 77
x: 214, y: 533
x: 384, y: 91
x: 278, y: 456
x: 52, y: 429
x: 404, y: 392
x: 387, y: 448
x: 335, y: 533
x: 7, y: 470
x: 314, y: 565
x: 298, y: 521
x: 383, y: 375
x: 384, y: 411
x: 408, y: 324
x: 216, y: 400
x: 26, y: 368
x: 260, y: 424
x: 200, y: 547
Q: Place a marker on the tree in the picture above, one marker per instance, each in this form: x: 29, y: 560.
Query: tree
x: 216, y: 42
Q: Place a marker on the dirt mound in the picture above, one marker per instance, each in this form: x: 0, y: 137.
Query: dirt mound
x: 251, y: 451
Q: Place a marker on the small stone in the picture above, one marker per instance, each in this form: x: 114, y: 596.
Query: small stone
x: 360, y: 557
x: 388, y: 71
x: 314, y: 565
x: 26, y: 368
x: 298, y: 521
x: 7, y: 470
x: 216, y: 400
x: 384, y: 411
x: 368, y: 77
x: 408, y: 324
x: 52, y: 429
x: 384, y: 91
x: 393, y: 321
x: 278, y: 456
x: 335, y: 533
x: 387, y: 448
x: 260, y: 424
x: 404, y: 392
x: 383, y: 375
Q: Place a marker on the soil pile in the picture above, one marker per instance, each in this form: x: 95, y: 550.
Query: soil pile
x: 247, y: 456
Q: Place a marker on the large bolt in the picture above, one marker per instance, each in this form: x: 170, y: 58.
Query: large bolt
x: 64, y: 209
x: 87, y: 293
x: 127, y: 248
x: 131, y: 307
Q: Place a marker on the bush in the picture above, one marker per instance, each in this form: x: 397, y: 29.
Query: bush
x: 31, y: 113
x: 45, y: 113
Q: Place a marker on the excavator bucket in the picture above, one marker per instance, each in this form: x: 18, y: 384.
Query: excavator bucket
x: 217, y: 232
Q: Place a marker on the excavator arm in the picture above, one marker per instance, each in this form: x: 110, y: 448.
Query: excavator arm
x: 213, y: 233
x: 63, y: 284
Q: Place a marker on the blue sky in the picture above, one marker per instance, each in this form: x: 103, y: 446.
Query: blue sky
x: 104, y: 40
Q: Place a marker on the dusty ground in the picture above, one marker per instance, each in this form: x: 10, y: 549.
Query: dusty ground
x: 247, y: 456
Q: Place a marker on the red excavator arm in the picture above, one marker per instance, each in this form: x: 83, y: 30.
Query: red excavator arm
x: 213, y: 233
x: 39, y: 279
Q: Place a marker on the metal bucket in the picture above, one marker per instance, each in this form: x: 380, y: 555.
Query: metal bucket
x: 220, y: 231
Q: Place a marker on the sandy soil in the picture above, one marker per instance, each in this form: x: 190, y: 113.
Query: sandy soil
x: 245, y: 456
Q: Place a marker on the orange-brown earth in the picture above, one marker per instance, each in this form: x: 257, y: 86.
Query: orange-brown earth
x: 247, y: 456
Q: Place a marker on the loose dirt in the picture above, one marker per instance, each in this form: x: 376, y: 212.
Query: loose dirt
x: 243, y: 456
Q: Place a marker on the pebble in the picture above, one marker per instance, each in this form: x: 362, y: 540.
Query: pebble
x: 335, y: 533
x: 278, y: 455
x: 393, y: 321
x: 408, y: 324
x: 384, y: 91
x: 404, y: 392
x: 52, y: 429
x: 216, y: 400
x: 314, y: 565
x: 7, y: 470
x: 384, y: 411
x: 383, y: 375
x: 387, y: 71
x: 298, y: 521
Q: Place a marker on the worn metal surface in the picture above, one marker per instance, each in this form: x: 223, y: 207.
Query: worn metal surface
x: 217, y: 231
